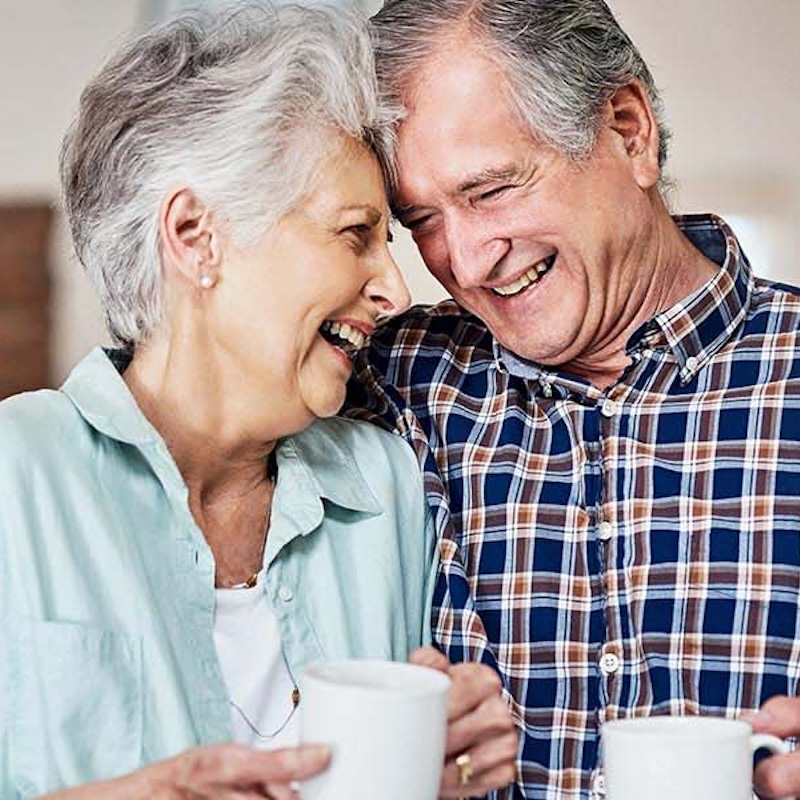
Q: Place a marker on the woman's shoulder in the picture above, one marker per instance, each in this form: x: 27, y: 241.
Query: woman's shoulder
x: 35, y: 422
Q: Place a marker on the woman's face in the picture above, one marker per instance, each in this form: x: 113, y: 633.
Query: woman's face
x: 293, y: 307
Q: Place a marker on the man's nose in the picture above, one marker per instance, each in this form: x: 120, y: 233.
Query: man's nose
x: 473, y: 250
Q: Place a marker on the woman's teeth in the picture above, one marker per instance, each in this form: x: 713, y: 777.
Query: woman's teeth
x: 533, y: 275
x: 346, y: 333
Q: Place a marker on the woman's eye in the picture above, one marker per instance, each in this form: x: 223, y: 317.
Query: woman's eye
x: 359, y: 232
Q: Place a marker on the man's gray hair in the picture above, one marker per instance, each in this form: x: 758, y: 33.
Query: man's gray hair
x: 240, y: 108
x: 563, y: 59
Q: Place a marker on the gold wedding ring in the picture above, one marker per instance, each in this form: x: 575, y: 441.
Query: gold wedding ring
x: 464, y: 764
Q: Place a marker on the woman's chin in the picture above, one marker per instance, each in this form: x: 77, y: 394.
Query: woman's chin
x: 328, y: 403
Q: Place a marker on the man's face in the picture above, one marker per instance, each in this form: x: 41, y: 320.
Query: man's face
x: 542, y: 248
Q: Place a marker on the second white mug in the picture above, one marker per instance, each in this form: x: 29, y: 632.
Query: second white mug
x: 386, y: 725
x: 690, y: 758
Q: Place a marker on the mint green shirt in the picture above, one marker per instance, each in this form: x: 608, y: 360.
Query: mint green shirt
x: 107, y: 660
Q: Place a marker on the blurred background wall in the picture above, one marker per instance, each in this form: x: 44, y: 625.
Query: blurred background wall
x: 728, y: 69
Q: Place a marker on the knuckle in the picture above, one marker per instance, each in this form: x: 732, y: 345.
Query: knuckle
x: 491, y: 680
x: 511, y: 743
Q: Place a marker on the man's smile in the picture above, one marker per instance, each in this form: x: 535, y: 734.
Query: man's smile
x: 532, y: 276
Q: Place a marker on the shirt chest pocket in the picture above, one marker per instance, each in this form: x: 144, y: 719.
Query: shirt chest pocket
x: 75, y: 703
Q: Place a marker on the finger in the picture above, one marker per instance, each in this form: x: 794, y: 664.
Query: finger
x: 493, y: 765
x: 778, y: 776
x: 779, y: 715
x: 280, y: 793
x: 429, y: 657
x: 472, y: 684
x: 236, y: 766
x: 492, y: 719
x: 290, y: 764
x: 486, y: 758
x: 498, y: 778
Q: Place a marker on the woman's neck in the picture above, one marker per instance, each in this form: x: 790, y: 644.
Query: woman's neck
x: 223, y: 462
x: 203, y: 419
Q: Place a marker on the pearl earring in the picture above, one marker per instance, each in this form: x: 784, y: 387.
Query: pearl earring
x: 207, y: 281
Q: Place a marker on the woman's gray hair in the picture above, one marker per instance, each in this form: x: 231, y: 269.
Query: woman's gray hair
x: 563, y: 59
x: 240, y: 108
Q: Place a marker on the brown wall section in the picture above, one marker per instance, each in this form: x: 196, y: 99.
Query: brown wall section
x: 24, y: 297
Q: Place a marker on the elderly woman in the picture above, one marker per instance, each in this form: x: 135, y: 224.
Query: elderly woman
x: 182, y: 527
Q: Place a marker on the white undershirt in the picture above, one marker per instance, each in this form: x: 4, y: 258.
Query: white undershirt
x: 248, y: 643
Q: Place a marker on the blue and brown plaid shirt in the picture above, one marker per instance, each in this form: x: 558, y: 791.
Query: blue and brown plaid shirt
x: 612, y: 553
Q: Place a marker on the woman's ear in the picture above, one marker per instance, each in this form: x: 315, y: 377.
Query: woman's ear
x: 189, y: 239
x: 631, y: 117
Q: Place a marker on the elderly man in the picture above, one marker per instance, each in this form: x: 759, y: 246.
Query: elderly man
x: 608, y: 415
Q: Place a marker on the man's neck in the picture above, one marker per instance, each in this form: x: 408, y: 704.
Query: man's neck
x: 677, y: 270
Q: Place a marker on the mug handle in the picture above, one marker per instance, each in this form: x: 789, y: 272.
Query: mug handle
x: 769, y: 742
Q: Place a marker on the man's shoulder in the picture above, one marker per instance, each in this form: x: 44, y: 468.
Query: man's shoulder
x: 775, y: 308
x: 445, y: 326
x: 417, y: 346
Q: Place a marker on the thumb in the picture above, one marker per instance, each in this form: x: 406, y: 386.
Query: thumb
x: 779, y: 715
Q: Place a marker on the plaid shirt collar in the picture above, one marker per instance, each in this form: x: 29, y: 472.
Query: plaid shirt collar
x: 693, y: 330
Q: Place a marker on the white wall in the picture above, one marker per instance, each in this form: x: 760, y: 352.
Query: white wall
x: 728, y: 68
x: 48, y: 50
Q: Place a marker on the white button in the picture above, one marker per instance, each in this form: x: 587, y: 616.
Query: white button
x: 285, y: 594
x: 609, y: 408
x: 691, y: 363
x: 606, y: 531
x: 647, y: 352
x: 599, y: 784
x: 609, y: 663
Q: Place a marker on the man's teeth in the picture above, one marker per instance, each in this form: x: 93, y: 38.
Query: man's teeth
x: 346, y: 332
x: 524, y: 281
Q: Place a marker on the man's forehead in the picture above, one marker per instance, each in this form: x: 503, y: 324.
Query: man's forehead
x: 461, y: 129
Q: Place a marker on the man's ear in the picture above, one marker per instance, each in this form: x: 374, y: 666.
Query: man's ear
x: 631, y: 117
x: 189, y: 238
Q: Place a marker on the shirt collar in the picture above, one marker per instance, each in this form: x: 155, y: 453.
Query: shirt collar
x: 103, y: 399
x: 693, y: 329
x: 699, y: 325
x: 330, y: 467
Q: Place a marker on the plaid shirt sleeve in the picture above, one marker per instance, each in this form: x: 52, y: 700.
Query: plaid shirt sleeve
x: 614, y: 553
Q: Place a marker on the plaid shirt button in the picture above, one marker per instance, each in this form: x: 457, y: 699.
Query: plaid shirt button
x: 609, y: 408
x: 609, y: 663
x: 606, y: 531
x: 599, y: 784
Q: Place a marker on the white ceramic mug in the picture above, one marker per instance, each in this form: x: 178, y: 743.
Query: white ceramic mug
x: 386, y: 725
x: 682, y: 758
